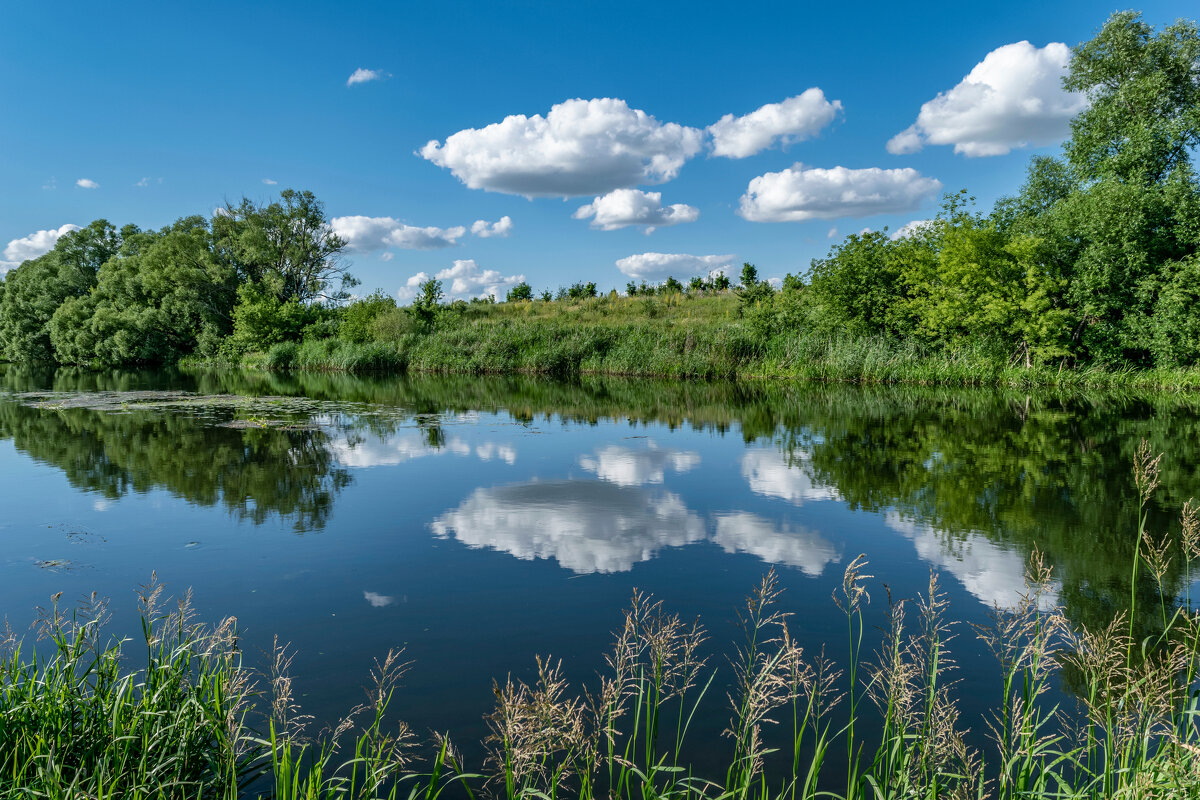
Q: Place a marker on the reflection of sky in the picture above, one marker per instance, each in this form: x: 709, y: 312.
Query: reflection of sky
x: 993, y: 574
x: 593, y: 526
x: 370, y: 450
x: 586, y: 526
x: 627, y: 466
x: 743, y: 532
x: 768, y: 473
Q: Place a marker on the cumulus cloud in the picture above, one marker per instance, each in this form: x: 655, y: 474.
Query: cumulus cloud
x: 909, y: 228
x: 995, y: 575
x: 770, y: 474
x: 378, y: 600
x: 743, y: 532
x: 364, y: 451
x: 586, y: 526
x: 369, y: 234
x: 580, y: 147
x: 35, y: 244
x: 269, y: 182
x: 621, y: 208
x: 627, y: 466
x: 798, y: 194
x: 361, y: 75
x: 87, y: 183
x: 485, y: 230
x: 464, y: 280
x: 794, y: 120
x: 1013, y: 98
x: 656, y: 266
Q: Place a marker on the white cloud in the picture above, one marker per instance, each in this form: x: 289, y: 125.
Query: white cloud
x: 794, y: 120
x: 580, y: 147
x: 364, y: 451
x: 269, y: 182
x: 361, y: 75
x: 485, y: 230
x: 626, y: 466
x: 655, y: 266
x: 832, y: 233
x: 743, y: 532
x: 1013, y: 98
x: 369, y: 234
x: 143, y: 183
x: 378, y: 600
x: 770, y: 474
x: 993, y: 574
x: 623, y: 207
x: 586, y: 526
x: 798, y: 194
x: 464, y: 280
x: 50, y: 184
x: 87, y: 183
x: 34, y: 245
x: 909, y: 228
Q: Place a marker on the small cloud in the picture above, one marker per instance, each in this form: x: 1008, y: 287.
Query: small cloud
x: 368, y: 234
x: 798, y: 194
x: 386, y: 256
x: 379, y: 600
x: 656, y: 266
x: 269, y: 182
x: 51, y: 184
x: 361, y: 75
x: 832, y: 233
x: 35, y: 244
x: 501, y: 228
x: 795, y: 119
x: 87, y: 183
x: 908, y: 229
x: 621, y: 208
x: 465, y: 280
x: 143, y: 183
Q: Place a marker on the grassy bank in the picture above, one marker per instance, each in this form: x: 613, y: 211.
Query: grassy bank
x: 683, y: 336
x: 178, y: 714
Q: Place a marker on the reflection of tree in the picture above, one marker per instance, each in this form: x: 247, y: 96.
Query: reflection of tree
x: 254, y: 472
x: 1053, y: 473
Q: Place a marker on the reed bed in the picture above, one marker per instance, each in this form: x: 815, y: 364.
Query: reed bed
x: 76, y: 720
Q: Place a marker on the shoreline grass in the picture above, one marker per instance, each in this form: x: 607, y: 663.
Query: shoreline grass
x: 193, y: 721
x: 690, y: 337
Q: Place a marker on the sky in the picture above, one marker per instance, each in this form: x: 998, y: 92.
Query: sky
x: 551, y: 142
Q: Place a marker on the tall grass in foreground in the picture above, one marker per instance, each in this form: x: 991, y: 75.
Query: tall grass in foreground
x: 73, y: 723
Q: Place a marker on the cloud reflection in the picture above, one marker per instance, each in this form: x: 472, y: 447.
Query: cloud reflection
x: 769, y: 473
x: 586, y: 526
x: 627, y: 466
x: 743, y: 532
x: 993, y: 574
x: 363, y: 451
x: 379, y: 600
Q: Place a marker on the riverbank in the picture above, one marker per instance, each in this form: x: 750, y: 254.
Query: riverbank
x: 682, y: 336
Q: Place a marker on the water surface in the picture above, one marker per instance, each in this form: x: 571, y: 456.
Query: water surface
x: 480, y: 521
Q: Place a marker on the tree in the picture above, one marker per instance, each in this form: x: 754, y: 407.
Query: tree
x: 720, y: 281
x: 286, y: 246
x: 35, y: 289
x: 749, y: 275
x: 522, y: 291
x: 163, y: 294
x: 429, y: 297
x: 358, y: 318
x: 672, y: 286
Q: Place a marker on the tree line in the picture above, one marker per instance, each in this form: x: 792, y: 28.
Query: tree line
x: 1096, y: 260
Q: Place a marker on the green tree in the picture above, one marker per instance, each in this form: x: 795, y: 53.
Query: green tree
x: 522, y: 291
x: 358, y: 318
x: 287, y: 246
x: 429, y: 297
x: 35, y: 289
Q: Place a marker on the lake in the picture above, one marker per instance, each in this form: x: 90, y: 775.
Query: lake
x: 478, y: 521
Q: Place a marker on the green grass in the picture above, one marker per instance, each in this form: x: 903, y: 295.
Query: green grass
x: 79, y: 719
x: 684, y: 336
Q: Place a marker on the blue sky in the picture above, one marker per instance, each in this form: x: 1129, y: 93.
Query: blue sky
x: 166, y: 110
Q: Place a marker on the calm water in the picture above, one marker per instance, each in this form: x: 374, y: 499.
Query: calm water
x: 478, y: 522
